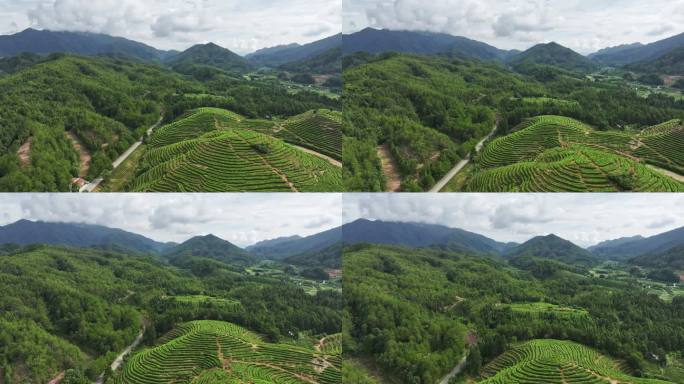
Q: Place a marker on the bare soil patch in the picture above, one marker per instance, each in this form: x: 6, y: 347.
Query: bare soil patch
x: 389, y: 168
x: 24, y: 152
x: 83, y: 154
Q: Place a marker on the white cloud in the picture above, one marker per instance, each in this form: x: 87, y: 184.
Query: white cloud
x: 240, y: 218
x: 242, y: 26
x: 582, y: 25
x: 585, y: 219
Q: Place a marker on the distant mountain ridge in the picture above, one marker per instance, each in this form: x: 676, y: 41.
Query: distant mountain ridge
x: 83, y: 43
x: 639, y: 52
x: 286, y: 247
x: 378, y: 41
x: 419, y: 235
x: 624, y: 250
x: 279, y: 55
x: 25, y: 232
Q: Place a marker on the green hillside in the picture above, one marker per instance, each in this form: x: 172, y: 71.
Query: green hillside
x: 556, y: 361
x: 413, y: 313
x: 75, y: 310
x: 106, y: 103
x: 555, y: 248
x: 220, y: 352
x: 409, y: 120
x: 560, y: 154
x: 209, y: 150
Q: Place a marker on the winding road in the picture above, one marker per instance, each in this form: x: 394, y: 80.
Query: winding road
x: 96, y: 183
x: 454, y: 372
x: 461, y: 164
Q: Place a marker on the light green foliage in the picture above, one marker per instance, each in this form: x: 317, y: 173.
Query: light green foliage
x: 556, y: 362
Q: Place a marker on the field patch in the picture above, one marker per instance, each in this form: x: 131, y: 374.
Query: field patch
x: 218, y: 352
x: 546, y: 308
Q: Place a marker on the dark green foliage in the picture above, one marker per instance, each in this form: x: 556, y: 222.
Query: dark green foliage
x: 315, y: 273
x: 330, y: 257
x: 664, y: 275
x: 679, y: 84
x: 650, y: 79
x: 672, y: 259
x: 303, y: 78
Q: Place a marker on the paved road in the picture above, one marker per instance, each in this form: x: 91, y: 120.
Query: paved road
x: 119, y: 359
x: 454, y: 372
x: 322, y: 156
x: 96, y: 183
x: 665, y: 172
x: 459, y: 166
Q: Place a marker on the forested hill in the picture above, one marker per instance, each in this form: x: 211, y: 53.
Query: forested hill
x: 105, y: 104
x: 210, y: 247
x: 442, y: 297
x: 555, y: 55
x: 209, y: 55
x: 555, y: 248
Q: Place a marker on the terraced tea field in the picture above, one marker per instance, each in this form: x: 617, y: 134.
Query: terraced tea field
x: 211, y: 150
x: 320, y: 131
x: 560, y: 154
x: 556, y: 362
x: 546, y: 308
x: 212, y: 352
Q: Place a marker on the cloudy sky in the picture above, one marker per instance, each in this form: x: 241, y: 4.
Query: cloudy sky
x: 239, y: 25
x: 242, y: 219
x: 583, y: 25
x: 584, y: 219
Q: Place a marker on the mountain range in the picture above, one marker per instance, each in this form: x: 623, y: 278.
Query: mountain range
x: 325, y: 248
x: 321, y: 53
x: 375, y: 41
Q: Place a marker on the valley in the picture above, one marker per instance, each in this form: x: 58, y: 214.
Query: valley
x: 428, y: 98
x: 105, y: 93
